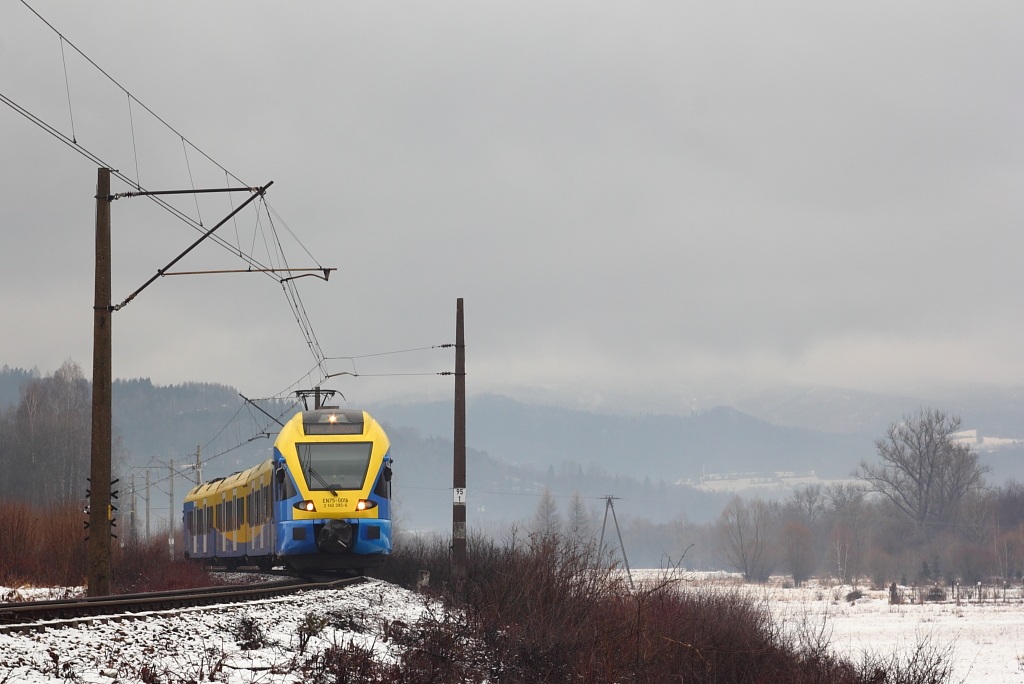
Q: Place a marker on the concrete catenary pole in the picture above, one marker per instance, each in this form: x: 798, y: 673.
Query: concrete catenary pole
x: 171, y: 514
x: 98, y: 552
x: 459, y: 479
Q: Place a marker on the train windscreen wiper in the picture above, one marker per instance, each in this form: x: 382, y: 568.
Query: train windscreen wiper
x: 322, y: 481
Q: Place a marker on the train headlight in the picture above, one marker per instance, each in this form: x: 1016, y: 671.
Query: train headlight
x: 307, y: 506
x: 365, y: 505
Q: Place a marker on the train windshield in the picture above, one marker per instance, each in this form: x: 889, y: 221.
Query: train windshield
x: 334, y: 465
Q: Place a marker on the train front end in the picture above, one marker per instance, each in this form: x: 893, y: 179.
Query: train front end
x: 333, y: 467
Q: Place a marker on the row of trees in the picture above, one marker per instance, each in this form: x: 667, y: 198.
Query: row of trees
x: 45, y: 439
x: 921, y: 512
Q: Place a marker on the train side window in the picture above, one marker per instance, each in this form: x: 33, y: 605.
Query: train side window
x: 239, y: 512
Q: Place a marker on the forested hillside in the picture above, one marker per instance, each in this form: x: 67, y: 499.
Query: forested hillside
x: 719, y: 440
x: 155, y: 425
x: 536, y: 467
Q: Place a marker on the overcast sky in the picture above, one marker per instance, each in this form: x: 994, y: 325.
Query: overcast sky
x: 630, y: 197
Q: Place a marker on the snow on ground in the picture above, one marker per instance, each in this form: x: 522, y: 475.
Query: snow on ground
x: 986, y: 638
x: 183, y: 645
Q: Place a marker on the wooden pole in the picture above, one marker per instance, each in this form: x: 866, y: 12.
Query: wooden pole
x: 171, y: 514
x: 98, y: 556
x: 459, y: 475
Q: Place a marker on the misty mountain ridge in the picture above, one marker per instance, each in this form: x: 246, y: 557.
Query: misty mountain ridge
x: 158, y: 424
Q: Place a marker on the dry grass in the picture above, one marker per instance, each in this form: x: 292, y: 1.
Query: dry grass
x: 528, y: 610
x: 549, y: 611
x: 46, y: 546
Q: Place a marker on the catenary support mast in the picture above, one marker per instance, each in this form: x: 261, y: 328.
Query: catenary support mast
x: 459, y: 479
x: 98, y: 556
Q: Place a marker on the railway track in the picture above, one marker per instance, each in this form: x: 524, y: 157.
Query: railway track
x: 37, y: 615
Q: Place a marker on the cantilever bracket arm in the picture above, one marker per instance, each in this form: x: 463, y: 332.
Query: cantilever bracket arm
x: 315, y: 272
x: 256, y: 192
x: 325, y: 277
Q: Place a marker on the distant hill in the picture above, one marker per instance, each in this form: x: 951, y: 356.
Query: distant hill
x: 519, y: 448
x: 994, y: 410
x: 669, y: 447
x: 11, y: 380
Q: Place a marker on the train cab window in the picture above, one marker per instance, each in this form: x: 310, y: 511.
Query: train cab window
x: 328, y: 466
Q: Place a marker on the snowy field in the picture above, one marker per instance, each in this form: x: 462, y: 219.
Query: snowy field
x: 986, y: 638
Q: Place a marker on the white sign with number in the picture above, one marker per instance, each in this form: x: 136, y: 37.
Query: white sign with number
x: 460, y: 495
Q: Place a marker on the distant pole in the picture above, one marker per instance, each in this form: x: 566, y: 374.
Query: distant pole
x: 609, y: 506
x: 459, y: 479
x: 98, y: 557
x: 170, y: 509
x: 133, y: 512
x: 148, y: 509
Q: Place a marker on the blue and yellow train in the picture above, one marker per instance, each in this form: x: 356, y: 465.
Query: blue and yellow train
x: 321, y: 502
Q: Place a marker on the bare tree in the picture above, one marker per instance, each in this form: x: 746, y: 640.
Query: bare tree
x: 924, y: 471
x: 846, y: 539
x: 797, y: 550
x: 807, y: 503
x: 579, y: 525
x: 47, y: 436
x: 743, y: 532
x: 546, y: 523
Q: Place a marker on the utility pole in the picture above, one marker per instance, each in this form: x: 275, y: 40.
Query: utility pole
x: 170, y: 514
x: 459, y: 474
x: 133, y: 522
x: 609, y: 506
x: 100, y: 508
x: 148, y: 483
x: 199, y: 466
x: 98, y: 557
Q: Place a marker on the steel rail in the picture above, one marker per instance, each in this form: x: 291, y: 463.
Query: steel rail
x: 37, y: 615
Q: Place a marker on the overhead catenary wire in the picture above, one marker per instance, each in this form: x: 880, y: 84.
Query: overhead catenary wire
x: 291, y: 292
x: 67, y: 89
x: 96, y: 159
x: 121, y: 87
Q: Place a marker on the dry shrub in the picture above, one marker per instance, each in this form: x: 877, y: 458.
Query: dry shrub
x: 43, y: 545
x: 46, y: 546
x: 546, y: 610
x: 145, y: 565
x: 412, y: 554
